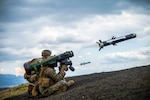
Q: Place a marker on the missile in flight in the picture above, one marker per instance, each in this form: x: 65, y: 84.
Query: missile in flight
x: 114, y: 40
x: 84, y: 63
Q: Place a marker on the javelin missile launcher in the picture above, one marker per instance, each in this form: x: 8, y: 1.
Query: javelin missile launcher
x: 50, y: 62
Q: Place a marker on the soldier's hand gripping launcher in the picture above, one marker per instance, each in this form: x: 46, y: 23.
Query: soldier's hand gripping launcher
x: 51, y: 62
x: 115, y: 40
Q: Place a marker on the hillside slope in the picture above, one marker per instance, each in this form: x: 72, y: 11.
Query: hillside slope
x: 129, y: 84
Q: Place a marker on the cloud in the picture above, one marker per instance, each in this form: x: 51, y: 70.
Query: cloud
x: 2, y: 70
x: 25, y: 10
x: 81, y: 34
x: 30, y: 26
x: 129, y: 56
x: 19, y: 71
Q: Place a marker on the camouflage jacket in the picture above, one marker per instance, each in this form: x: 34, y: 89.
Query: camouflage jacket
x: 50, y: 73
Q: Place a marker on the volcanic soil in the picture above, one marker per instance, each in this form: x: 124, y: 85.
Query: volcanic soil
x: 128, y: 84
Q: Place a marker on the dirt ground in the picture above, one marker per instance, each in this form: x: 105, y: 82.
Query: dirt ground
x: 129, y: 84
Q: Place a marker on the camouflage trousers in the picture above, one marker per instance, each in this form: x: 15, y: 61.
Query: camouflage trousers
x: 58, y: 87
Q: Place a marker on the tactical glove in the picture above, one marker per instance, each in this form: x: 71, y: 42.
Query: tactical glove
x: 63, y: 68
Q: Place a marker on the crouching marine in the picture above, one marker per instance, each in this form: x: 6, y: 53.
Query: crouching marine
x: 42, y: 77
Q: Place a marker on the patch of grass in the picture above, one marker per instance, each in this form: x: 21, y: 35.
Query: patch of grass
x: 14, y: 91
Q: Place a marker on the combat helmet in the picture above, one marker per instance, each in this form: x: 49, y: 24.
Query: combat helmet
x: 46, y: 53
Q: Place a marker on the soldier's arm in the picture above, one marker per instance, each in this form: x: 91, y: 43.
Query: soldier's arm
x: 56, y: 77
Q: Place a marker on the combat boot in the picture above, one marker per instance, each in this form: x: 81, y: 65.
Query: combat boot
x: 30, y: 87
x: 61, y: 90
x: 70, y: 83
x: 34, y: 91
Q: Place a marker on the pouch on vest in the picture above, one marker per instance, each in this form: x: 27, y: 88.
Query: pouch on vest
x: 44, y: 82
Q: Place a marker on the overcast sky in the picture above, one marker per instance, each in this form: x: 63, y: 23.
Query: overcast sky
x: 29, y: 26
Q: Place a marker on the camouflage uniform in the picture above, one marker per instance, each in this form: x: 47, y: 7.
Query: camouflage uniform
x: 33, y: 77
x: 50, y: 82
